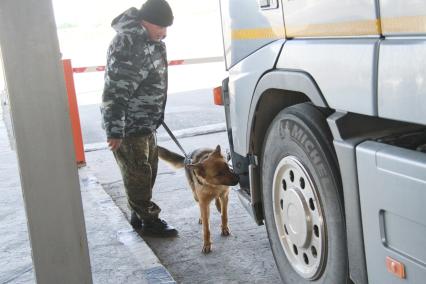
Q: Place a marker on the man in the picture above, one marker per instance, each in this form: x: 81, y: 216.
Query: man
x: 133, y: 105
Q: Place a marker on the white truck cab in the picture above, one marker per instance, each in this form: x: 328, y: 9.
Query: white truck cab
x: 326, y: 116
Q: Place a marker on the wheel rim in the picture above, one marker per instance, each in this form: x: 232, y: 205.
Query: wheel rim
x: 299, y: 218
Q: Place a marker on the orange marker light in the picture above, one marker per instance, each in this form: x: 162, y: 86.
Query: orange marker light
x: 217, y: 94
x: 395, y: 267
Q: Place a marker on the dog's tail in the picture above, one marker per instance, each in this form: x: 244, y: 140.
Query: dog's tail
x: 172, y: 158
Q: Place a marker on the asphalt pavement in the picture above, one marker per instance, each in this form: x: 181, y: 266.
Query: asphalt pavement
x: 189, y: 99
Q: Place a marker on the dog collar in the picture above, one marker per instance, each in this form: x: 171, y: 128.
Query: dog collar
x: 187, y: 161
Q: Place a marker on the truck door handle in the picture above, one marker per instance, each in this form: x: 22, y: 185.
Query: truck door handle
x: 265, y: 3
x: 268, y: 4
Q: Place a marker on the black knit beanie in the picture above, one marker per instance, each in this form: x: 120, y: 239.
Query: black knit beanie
x: 157, y: 12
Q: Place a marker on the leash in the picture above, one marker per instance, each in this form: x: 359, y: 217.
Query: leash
x: 187, y: 158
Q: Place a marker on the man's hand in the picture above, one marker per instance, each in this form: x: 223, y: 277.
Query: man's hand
x: 114, y: 143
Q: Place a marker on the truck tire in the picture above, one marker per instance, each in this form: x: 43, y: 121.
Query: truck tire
x: 302, y: 198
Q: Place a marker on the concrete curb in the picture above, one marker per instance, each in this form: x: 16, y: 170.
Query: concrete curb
x: 182, y: 133
x: 94, y: 197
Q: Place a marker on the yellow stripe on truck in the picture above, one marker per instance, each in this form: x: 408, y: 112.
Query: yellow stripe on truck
x: 399, y: 25
x: 408, y: 24
x: 355, y: 28
x: 261, y: 33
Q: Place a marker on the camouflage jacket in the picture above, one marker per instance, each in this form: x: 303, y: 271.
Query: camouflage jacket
x: 135, y: 89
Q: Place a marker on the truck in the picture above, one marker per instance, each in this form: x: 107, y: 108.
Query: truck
x: 325, y: 107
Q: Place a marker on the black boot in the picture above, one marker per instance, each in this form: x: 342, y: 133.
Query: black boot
x: 157, y: 228
x: 135, y: 221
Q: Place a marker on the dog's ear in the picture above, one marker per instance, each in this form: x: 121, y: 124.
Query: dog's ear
x: 198, y: 168
x: 217, y: 151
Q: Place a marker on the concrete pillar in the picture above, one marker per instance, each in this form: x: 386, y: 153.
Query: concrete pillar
x: 42, y: 129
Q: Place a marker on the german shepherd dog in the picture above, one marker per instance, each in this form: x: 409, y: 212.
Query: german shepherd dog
x: 209, y: 177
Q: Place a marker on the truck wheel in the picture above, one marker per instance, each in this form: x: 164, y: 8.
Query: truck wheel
x: 302, y: 198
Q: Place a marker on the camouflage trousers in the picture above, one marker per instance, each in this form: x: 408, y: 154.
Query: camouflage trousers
x: 137, y: 158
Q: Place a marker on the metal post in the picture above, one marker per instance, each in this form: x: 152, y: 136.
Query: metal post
x: 40, y: 114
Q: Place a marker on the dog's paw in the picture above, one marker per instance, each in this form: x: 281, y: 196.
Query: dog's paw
x: 200, y: 221
x: 225, y: 231
x: 207, y: 248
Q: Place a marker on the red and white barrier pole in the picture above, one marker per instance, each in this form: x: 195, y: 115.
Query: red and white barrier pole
x: 170, y: 63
